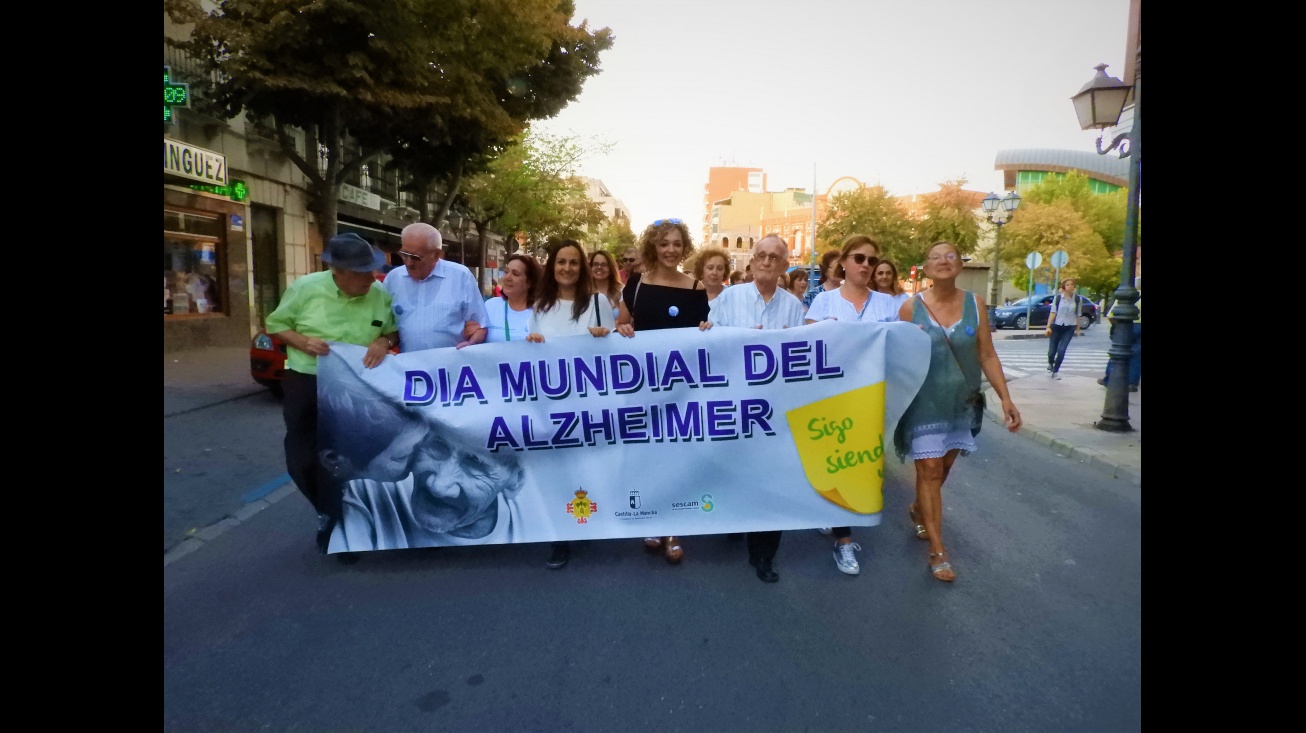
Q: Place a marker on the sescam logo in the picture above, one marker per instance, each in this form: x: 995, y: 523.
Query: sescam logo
x: 705, y: 503
x: 581, y: 507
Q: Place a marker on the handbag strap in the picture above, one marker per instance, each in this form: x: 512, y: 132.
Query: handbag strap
x: 944, y: 330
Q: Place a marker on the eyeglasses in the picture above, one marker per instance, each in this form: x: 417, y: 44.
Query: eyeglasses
x: 768, y: 257
x: 599, y: 263
x: 410, y: 256
x: 628, y: 259
x: 861, y: 258
x: 949, y: 256
x: 660, y: 222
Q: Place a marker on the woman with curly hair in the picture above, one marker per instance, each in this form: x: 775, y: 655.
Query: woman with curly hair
x: 661, y: 296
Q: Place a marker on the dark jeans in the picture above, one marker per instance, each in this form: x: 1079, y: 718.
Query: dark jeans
x: 1135, y: 357
x: 299, y: 409
x: 1057, y: 345
x: 841, y: 532
x: 763, y: 544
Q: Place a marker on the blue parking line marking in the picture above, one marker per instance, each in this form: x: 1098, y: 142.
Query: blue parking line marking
x: 266, y: 489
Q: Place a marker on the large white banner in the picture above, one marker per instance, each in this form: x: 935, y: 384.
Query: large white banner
x: 675, y: 432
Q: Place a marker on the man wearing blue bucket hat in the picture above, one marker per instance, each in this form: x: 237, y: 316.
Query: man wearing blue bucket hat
x: 344, y: 304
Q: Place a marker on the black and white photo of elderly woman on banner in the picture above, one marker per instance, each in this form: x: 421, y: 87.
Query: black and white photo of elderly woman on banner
x: 403, y: 482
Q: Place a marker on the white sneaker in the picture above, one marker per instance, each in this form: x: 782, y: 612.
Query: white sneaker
x: 844, y: 559
x: 823, y: 530
x: 1056, y: 375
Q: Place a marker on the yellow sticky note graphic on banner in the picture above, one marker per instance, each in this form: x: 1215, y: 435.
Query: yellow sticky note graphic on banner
x: 840, y: 440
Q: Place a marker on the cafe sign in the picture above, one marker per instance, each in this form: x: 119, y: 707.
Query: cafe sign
x: 194, y: 163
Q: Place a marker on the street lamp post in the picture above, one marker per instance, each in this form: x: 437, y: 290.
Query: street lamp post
x: 1098, y: 105
x: 1000, y: 211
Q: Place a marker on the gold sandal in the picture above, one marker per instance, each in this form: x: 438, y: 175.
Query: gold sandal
x: 942, y: 567
x: 673, y: 552
x: 652, y: 544
x: 921, y: 534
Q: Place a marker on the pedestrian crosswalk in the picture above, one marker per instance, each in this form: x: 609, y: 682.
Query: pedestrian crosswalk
x: 1023, y: 363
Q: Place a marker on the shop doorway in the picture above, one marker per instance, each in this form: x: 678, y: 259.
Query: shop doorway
x: 267, y: 261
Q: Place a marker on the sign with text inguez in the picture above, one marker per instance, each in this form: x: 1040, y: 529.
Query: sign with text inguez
x: 1033, y: 260
x: 1060, y: 258
x: 194, y: 163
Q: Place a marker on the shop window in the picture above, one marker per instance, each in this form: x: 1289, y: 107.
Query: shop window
x: 192, y: 246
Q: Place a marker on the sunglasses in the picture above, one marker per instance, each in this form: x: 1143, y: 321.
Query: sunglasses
x: 410, y: 256
x: 861, y: 258
x: 628, y: 259
x: 660, y: 222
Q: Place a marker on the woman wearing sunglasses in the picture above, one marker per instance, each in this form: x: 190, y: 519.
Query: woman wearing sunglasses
x: 510, y: 313
x: 854, y: 301
x: 661, y: 296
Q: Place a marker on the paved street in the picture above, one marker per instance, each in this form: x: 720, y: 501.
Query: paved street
x: 1041, y: 632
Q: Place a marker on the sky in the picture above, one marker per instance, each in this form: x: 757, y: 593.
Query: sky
x: 902, y: 93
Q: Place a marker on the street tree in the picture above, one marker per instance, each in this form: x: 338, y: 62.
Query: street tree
x: 615, y: 236
x: 945, y: 215
x: 531, y: 187
x: 452, y: 80
x: 1104, y: 212
x: 1046, y: 228
x: 869, y: 210
x: 503, y: 64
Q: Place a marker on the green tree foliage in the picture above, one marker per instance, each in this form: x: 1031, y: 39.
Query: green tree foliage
x: 1046, y: 228
x: 443, y: 83
x: 870, y: 211
x: 947, y: 215
x: 532, y: 187
x: 1105, y: 213
x: 614, y: 237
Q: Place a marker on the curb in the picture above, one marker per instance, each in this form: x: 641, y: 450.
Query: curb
x: 200, y: 537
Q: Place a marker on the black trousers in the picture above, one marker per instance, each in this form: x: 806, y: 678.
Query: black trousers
x: 299, y: 410
x: 763, y: 544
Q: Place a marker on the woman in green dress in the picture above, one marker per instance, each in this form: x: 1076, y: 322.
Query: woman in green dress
x: 942, y: 421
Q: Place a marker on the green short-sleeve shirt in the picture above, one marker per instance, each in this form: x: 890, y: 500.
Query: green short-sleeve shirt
x: 314, y: 305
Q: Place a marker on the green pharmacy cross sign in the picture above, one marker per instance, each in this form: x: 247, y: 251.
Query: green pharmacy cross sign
x: 174, y: 95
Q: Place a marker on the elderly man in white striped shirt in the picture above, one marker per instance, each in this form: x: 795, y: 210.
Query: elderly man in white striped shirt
x: 760, y: 303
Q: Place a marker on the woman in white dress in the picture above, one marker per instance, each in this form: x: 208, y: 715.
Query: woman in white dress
x: 566, y: 306
x: 510, y: 313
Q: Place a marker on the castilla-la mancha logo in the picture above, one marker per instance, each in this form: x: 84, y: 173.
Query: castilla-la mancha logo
x: 581, y: 507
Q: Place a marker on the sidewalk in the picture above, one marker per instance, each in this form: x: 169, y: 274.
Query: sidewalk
x: 1060, y: 414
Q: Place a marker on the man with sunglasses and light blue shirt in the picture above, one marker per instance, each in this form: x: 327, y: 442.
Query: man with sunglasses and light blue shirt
x: 760, y: 303
x: 437, y: 303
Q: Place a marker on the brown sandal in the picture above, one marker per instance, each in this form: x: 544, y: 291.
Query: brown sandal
x: 919, y: 528
x: 673, y: 551
x: 652, y: 544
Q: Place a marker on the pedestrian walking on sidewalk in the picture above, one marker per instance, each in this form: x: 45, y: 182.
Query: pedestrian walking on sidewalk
x: 345, y: 304
x: 945, y: 416
x: 1064, y: 324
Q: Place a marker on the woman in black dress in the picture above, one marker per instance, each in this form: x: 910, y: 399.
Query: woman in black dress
x: 661, y: 296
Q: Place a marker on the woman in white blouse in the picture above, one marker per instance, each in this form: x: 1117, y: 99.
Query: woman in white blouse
x: 886, y: 281
x: 854, y: 301
x: 510, y: 313
x: 566, y: 306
